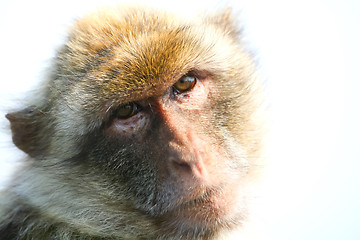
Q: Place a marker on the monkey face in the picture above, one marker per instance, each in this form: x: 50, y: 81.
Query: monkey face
x: 159, y: 110
x: 185, y: 163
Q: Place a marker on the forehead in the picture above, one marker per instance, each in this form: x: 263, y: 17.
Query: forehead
x: 136, y: 54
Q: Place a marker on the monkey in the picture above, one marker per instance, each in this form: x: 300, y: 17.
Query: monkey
x: 149, y: 125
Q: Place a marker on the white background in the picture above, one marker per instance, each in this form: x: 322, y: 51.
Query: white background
x: 308, y: 54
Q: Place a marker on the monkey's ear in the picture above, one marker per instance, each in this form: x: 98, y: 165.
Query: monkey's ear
x: 226, y: 21
x: 25, y: 128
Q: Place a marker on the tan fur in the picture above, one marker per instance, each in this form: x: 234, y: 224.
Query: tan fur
x: 112, y: 57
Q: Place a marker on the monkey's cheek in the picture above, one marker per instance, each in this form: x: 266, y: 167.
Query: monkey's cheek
x: 128, y: 127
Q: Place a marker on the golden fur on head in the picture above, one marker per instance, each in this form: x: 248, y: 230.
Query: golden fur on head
x: 137, y: 50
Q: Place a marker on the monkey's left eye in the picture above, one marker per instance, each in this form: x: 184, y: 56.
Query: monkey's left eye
x: 185, y: 83
x: 127, y: 110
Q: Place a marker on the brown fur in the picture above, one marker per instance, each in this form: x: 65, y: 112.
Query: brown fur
x: 71, y: 186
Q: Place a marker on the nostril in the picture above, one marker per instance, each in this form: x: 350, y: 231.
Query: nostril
x: 182, y: 166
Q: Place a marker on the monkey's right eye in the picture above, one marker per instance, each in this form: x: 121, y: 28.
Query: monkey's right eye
x: 126, y: 111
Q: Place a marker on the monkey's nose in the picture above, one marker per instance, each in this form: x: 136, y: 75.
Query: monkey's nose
x: 193, y: 168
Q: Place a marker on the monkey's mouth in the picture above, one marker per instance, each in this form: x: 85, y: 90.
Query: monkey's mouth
x: 203, y: 198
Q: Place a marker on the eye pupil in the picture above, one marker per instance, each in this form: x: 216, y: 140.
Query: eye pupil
x: 126, y: 111
x: 185, y: 83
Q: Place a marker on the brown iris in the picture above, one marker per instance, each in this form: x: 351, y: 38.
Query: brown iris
x: 185, y: 83
x: 126, y: 111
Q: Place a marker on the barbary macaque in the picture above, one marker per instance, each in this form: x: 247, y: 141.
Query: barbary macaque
x: 149, y: 126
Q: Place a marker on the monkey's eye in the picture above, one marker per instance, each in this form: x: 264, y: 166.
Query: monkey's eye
x: 126, y: 111
x: 185, y: 83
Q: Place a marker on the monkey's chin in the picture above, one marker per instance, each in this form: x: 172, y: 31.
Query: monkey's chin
x: 208, y: 213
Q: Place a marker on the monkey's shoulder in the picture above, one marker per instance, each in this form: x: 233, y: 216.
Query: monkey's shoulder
x: 20, y: 221
x: 16, y: 218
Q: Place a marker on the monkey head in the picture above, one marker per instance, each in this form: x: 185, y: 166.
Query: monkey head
x: 150, y: 115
